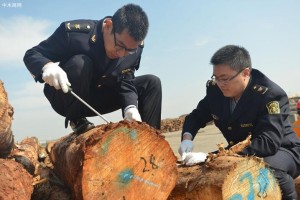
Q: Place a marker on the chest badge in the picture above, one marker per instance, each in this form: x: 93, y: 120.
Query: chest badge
x: 246, y: 125
x: 273, y: 107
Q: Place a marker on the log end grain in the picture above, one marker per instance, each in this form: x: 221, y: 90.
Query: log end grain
x: 226, y: 177
x: 251, y: 179
x: 15, y: 181
x: 125, y: 160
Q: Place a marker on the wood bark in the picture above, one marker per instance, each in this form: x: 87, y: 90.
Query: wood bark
x: 126, y: 160
x: 6, y: 116
x: 26, y: 153
x: 49, y: 187
x: 15, y: 181
x: 226, y: 177
x: 34, y: 158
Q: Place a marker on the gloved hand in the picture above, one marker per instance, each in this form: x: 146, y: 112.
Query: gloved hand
x: 193, y: 158
x: 185, y: 147
x: 132, y: 113
x: 55, y: 76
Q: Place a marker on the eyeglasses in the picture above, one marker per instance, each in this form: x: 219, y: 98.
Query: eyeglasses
x: 226, y: 80
x: 122, y: 48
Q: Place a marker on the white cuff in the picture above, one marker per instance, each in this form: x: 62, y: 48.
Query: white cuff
x: 127, y: 107
x: 187, y: 133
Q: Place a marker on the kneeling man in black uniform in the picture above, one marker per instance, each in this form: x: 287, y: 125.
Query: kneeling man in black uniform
x: 98, y: 59
x: 242, y: 101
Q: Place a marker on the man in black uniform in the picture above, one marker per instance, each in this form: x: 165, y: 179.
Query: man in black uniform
x: 98, y: 59
x: 242, y: 101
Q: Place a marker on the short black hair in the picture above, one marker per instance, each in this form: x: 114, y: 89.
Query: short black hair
x: 236, y: 57
x: 134, y: 19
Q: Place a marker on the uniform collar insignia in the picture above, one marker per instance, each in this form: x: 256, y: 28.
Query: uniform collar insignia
x: 93, y: 38
x: 68, y: 26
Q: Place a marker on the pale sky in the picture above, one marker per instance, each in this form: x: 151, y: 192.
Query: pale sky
x: 183, y: 35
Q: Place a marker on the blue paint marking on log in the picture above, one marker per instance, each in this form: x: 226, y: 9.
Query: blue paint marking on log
x: 263, y: 182
x: 236, y: 197
x: 248, y: 175
x: 125, y: 176
x: 132, y: 133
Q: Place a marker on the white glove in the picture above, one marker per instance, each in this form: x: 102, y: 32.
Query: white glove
x: 193, y: 158
x: 185, y: 146
x: 55, y: 76
x: 132, y: 113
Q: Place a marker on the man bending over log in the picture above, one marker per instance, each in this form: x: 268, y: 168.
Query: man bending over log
x: 243, y: 101
x: 99, y: 59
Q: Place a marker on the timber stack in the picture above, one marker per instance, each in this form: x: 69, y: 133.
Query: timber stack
x: 15, y: 181
x: 6, y: 116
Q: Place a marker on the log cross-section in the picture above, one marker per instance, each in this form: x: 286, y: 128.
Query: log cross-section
x: 126, y: 160
x: 227, y: 178
x: 15, y: 181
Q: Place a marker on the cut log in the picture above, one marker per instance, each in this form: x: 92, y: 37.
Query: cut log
x: 26, y: 153
x: 226, y: 177
x: 125, y: 160
x: 6, y: 116
x: 35, y: 160
x: 15, y: 181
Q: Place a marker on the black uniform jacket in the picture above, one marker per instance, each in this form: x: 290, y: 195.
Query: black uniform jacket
x: 262, y: 111
x: 86, y: 37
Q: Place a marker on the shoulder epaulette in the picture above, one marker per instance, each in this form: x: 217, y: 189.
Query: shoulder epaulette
x: 84, y: 27
x: 260, y: 89
x: 126, y: 71
x: 210, y: 83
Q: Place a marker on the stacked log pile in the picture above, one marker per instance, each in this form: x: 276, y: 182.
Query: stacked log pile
x: 15, y: 181
x: 174, y: 124
x: 6, y: 116
x: 35, y: 160
x: 125, y: 160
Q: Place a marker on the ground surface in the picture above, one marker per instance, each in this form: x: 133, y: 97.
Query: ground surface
x: 205, y: 141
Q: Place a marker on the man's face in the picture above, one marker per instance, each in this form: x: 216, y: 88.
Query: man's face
x: 118, y: 45
x: 232, y: 83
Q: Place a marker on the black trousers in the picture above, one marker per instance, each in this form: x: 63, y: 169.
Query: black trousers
x: 104, y: 99
x: 285, y: 170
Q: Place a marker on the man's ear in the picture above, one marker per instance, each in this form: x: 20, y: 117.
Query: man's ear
x: 107, y: 23
x: 247, y: 72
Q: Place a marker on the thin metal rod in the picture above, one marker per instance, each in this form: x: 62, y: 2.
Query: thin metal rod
x: 95, y: 111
